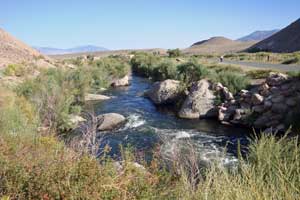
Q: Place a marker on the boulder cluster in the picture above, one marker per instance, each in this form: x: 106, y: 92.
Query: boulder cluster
x: 267, y: 105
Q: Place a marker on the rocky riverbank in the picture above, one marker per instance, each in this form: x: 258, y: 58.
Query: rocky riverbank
x: 271, y: 105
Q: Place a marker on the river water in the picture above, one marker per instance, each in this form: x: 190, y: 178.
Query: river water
x: 148, y: 125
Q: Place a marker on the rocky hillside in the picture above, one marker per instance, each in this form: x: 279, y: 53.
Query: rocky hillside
x: 14, y: 51
x: 218, y: 45
x: 258, y: 35
x: 285, y: 41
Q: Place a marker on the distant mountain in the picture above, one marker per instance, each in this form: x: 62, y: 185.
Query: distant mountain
x: 13, y: 50
x: 286, y: 40
x: 80, y: 49
x: 217, y: 45
x: 258, y: 35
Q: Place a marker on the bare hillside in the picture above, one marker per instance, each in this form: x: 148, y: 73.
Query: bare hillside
x: 218, y: 45
x: 14, y: 51
x: 285, y: 41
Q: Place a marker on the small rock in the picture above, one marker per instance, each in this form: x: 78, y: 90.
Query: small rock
x: 275, y: 79
x: 268, y: 104
x: 227, y: 94
x: 218, y: 86
x: 258, y: 108
x: 257, y: 99
x: 75, y: 120
x: 274, y: 90
x: 279, y: 108
x: 277, y: 99
x: 261, y: 121
x: 291, y: 102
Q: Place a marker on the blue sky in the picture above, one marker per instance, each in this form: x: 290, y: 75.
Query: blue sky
x: 121, y: 24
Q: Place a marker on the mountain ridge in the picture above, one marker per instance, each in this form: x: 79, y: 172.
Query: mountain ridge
x: 285, y: 41
x: 77, y: 49
x: 258, y: 35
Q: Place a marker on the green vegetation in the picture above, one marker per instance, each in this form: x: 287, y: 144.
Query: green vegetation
x: 18, y: 70
x: 279, y: 58
x: 36, y: 164
x: 33, y: 166
x: 259, y: 73
x: 158, y: 68
x: 174, y: 53
x: 191, y: 71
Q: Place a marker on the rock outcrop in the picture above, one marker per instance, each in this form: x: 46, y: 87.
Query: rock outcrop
x: 121, y: 82
x: 266, y: 106
x: 164, y: 92
x: 110, y: 121
x: 199, y: 102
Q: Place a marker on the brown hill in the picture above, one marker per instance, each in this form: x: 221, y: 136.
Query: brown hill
x: 287, y: 40
x: 218, y: 45
x: 14, y: 51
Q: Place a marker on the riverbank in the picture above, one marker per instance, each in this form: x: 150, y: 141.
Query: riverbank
x: 36, y: 164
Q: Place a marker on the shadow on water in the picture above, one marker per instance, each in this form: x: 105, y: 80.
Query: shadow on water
x: 146, y: 125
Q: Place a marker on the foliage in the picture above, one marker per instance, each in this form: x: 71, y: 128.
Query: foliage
x: 233, y: 81
x: 259, y: 73
x: 174, y: 53
x: 53, y: 94
x: 17, y: 70
x: 164, y: 70
x: 192, y: 71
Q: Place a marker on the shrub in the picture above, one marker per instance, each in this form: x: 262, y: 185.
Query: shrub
x: 174, y: 53
x: 164, y: 70
x: 143, y: 63
x: 17, y: 70
x: 233, y: 81
x: 192, y: 71
x: 291, y: 61
x: 53, y: 95
x: 259, y: 73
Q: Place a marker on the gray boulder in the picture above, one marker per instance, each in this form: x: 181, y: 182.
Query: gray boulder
x: 199, y: 102
x: 110, y: 121
x: 164, y: 92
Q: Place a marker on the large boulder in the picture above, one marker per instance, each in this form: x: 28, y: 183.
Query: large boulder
x: 199, y: 102
x: 164, y: 92
x: 121, y: 82
x: 110, y: 121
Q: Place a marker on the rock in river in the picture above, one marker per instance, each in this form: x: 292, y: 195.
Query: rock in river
x: 121, y: 82
x: 200, y: 102
x: 110, y: 121
x: 164, y: 92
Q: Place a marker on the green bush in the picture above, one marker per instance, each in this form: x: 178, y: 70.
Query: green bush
x: 53, y: 94
x: 233, y: 81
x: 192, y: 71
x: 17, y: 70
x: 143, y: 64
x: 174, y: 53
x: 259, y: 73
x: 164, y: 70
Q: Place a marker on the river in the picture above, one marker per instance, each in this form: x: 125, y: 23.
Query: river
x: 148, y: 125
